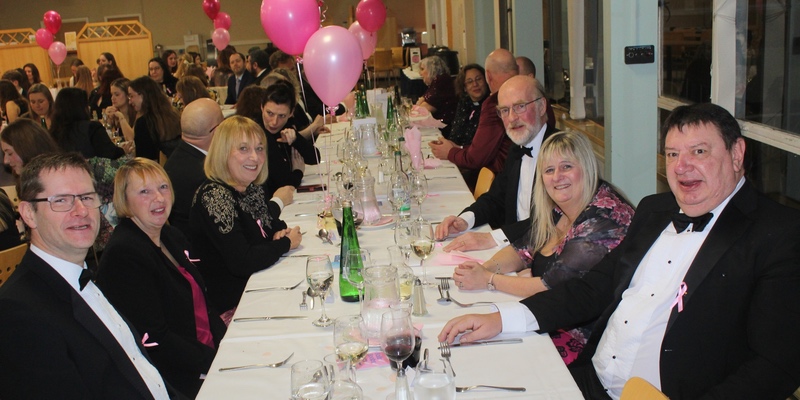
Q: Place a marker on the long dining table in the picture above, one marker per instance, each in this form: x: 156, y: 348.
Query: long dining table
x: 533, y: 364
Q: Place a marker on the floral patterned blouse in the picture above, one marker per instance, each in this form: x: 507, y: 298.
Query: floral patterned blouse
x: 596, y: 231
x: 465, y: 122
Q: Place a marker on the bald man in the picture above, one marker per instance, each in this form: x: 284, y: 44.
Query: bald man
x: 527, y: 67
x: 490, y: 144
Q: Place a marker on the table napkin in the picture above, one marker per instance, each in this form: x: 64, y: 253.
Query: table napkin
x: 414, y: 146
x: 454, y: 258
x: 432, y: 163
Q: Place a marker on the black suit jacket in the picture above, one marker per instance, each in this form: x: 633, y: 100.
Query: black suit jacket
x: 247, y: 79
x: 498, y: 206
x: 53, y: 346
x: 185, y: 169
x: 144, y: 285
x: 735, y: 337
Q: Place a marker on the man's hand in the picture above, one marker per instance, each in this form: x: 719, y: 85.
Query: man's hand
x: 478, y: 326
x: 451, y: 224
x: 288, y: 136
x: 297, y: 161
x: 471, y: 276
x: 286, y: 194
x: 471, y: 241
x: 441, y: 148
x: 295, y: 237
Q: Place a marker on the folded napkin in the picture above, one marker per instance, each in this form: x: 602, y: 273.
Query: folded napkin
x: 429, y: 123
x: 432, y: 163
x: 418, y: 111
x: 414, y: 146
x: 454, y: 258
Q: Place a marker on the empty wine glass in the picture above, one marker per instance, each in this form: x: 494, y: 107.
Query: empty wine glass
x: 422, y: 242
x: 397, y: 342
x: 350, y: 341
x: 310, y: 380
x: 353, y: 264
x: 403, y: 236
x: 398, y: 193
x: 320, y: 277
x: 418, y: 188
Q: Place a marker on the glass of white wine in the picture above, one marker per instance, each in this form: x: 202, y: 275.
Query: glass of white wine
x: 422, y: 244
x: 350, y: 341
x: 320, y: 277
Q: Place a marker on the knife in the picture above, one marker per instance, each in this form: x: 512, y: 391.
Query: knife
x: 479, y: 342
x: 248, y: 319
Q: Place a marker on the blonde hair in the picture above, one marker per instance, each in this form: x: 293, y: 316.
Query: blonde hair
x: 572, y: 145
x: 144, y: 168
x: 228, y: 134
x: 84, y: 80
x: 184, y: 61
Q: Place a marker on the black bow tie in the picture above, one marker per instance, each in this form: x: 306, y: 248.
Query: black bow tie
x: 525, y: 151
x: 682, y: 221
x: 86, y: 276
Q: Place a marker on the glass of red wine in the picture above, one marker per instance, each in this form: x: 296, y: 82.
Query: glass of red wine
x: 397, y: 342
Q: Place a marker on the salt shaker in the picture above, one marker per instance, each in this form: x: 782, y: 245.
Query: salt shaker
x: 418, y: 300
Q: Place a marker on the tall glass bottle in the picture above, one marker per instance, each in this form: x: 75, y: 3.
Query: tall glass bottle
x: 398, y: 193
x: 347, y: 291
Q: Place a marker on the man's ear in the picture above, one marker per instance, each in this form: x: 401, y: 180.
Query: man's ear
x: 27, y: 213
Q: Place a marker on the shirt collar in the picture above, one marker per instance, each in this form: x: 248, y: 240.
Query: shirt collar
x: 69, y: 271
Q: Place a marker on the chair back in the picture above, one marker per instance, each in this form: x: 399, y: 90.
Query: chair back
x: 11, y: 192
x: 397, y: 57
x: 485, y: 179
x: 383, y: 60
x: 9, y: 259
x: 639, y: 389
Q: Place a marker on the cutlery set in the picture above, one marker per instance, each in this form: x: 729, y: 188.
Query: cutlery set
x: 444, y: 293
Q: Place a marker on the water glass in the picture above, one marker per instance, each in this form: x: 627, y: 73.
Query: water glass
x: 434, y: 382
x: 310, y: 380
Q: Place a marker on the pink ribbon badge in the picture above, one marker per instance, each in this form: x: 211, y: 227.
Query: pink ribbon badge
x: 194, y: 260
x: 264, y: 234
x: 679, y: 298
x: 144, y: 340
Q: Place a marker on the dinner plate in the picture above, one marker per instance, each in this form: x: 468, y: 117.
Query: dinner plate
x: 384, y: 221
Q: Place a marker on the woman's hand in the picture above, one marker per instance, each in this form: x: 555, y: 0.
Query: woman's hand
x: 297, y: 161
x: 129, y: 147
x: 295, y: 236
x: 288, y: 136
x: 471, y: 276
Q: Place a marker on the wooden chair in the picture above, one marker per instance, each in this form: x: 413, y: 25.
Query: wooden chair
x: 397, y: 58
x: 485, y: 178
x: 639, y: 389
x: 382, y: 62
x: 11, y: 192
x: 9, y: 259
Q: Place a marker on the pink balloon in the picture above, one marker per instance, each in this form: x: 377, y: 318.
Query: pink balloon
x: 289, y: 23
x: 57, y: 52
x: 367, y: 40
x: 52, y: 21
x: 221, y: 38
x: 44, y: 38
x: 371, y: 14
x: 223, y: 21
x: 332, y: 60
x: 211, y: 7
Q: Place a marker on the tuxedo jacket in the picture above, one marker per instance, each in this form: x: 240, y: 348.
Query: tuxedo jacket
x: 736, y: 336
x: 185, y: 170
x: 498, y: 206
x: 247, y: 80
x: 53, y: 346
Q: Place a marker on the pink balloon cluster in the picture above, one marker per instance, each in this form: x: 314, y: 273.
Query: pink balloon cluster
x: 222, y: 22
x: 45, y: 37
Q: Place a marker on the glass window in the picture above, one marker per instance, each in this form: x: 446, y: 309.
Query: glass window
x: 686, y: 50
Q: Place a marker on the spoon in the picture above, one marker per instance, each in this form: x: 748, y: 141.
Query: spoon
x: 325, y: 236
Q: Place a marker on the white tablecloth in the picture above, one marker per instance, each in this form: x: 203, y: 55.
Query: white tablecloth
x: 534, y: 364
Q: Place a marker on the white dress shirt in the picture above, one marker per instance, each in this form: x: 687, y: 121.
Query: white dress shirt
x: 527, y: 173
x: 93, y: 297
x: 631, y: 343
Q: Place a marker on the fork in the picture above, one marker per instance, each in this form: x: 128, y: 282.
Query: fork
x: 465, y: 304
x: 441, y: 300
x: 250, y: 366
x: 462, y: 389
x: 303, y: 304
x: 274, y: 288
x: 444, y: 347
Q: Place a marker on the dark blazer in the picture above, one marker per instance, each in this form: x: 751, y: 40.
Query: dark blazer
x: 53, y: 346
x: 185, y: 169
x: 733, y: 338
x: 498, y: 206
x: 144, y: 285
x: 247, y: 79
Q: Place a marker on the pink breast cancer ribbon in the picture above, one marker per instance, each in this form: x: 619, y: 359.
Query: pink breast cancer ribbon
x: 144, y: 340
x: 679, y: 299
x: 190, y: 258
x: 264, y: 234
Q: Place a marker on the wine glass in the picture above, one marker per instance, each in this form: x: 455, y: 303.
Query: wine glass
x: 354, y: 262
x: 350, y: 341
x: 403, y: 235
x: 310, y: 380
x: 422, y: 242
x: 397, y: 342
x: 320, y: 276
x: 398, y: 193
x: 418, y: 187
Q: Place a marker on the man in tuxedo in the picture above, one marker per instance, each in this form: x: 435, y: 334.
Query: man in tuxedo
x: 240, y: 79
x: 700, y: 296
x: 259, y: 65
x: 59, y: 337
x: 506, y: 206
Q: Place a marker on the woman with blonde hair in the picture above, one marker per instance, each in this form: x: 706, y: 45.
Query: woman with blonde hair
x: 235, y: 230
x: 83, y: 80
x: 184, y: 62
x: 120, y: 114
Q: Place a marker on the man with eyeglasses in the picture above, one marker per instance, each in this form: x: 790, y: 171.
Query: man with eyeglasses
x: 506, y: 206
x: 59, y: 336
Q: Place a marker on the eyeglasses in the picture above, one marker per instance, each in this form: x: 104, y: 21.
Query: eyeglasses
x: 503, y: 112
x: 65, y: 202
x: 469, y: 82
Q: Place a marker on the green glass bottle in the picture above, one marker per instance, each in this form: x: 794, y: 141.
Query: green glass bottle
x: 347, y: 291
x: 391, y: 117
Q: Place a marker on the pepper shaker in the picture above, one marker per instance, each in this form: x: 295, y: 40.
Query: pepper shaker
x: 418, y: 300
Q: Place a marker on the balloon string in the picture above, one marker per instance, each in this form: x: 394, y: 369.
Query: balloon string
x: 323, y: 8
x: 298, y: 61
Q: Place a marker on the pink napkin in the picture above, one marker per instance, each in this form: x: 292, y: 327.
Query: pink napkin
x: 414, y: 146
x: 429, y: 123
x: 418, y: 111
x: 454, y: 258
x: 432, y: 163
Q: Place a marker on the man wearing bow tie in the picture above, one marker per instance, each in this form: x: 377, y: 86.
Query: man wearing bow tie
x: 506, y: 207
x: 59, y: 336
x: 699, y: 297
